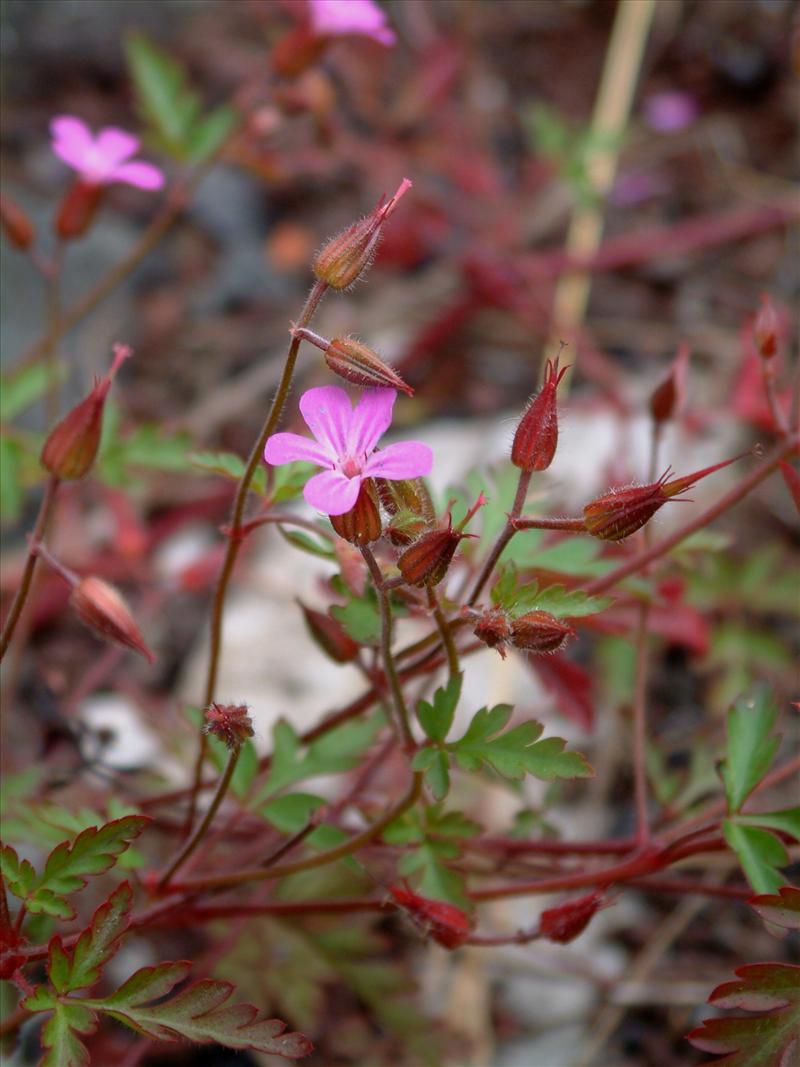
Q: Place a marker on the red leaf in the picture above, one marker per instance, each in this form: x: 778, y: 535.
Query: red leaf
x: 770, y: 1037
x: 570, y: 685
x: 781, y: 908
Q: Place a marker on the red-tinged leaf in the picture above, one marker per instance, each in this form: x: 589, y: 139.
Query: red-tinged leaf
x: 82, y: 967
x: 70, y: 864
x: 770, y: 1037
x: 792, y: 479
x: 570, y: 686
x: 198, y: 1013
x: 60, y: 1041
x: 781, y: 908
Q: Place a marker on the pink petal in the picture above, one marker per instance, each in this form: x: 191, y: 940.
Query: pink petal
x: 340, y: 17
x: 142, y: 175
x: 72, y: 141
x: 328, y: 415
x: 370, y: 420
x: 288, y: 447
x: 406, y: 459
x: 115, y: 145
x: 332, y: 492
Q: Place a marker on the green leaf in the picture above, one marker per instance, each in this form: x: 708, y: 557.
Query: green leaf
x: 751, y: 746
x: 338, y: 750
x: 11, y: 492
x: 769, y: 1036
x: 760, y: 854
x: 291, y: 813
x: 321, y: 548
x: 286, y: 482
x: 20, y: 390
x: 361, y: 618
x: 436, y: 834
x: 60, y: 1035
x: 517, y: 597
x: 518, y: 751
x: 199, y: 1013
x: 165, y: 100
x: 229, y: 465
x: 435, y: 765
x: 436, y: 879
x: 82, y: 966
x: 787, y: 821
x: 437, y: 718
x: 68, y: 867
x: 209, y: 133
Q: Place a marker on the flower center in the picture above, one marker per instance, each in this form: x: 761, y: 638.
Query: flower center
x: 351, y: 467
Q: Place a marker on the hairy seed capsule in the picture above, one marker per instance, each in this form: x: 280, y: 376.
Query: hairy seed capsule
x: 101, y: 607
x: 427, y: 560
x: 362, y: 524
x: 539, y: 631
x: 494, y: 629
x: 536, y: 438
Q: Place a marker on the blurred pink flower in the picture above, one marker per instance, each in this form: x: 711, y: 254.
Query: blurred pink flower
x: 341, y: 17
x: 103, y: 159
x: 345, y: 441
x: 670, y: 111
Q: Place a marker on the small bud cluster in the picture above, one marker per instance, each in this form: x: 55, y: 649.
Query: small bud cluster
x: 537, y: 632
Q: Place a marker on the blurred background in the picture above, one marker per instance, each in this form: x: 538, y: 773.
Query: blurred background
x: 490, y: 107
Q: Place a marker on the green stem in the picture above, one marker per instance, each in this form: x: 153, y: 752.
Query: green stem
x: 38, y: 532
x: 505, y: 536
x: 389, y: 667
x: 202, y: 829
x: 235, y: 539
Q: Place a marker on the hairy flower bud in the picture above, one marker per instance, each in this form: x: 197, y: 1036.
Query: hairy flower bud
x: 102, y: 608
x: 17, y: 227
x: 494, y: 629
x: 539, y: 631
x: 330, y: 635
x: 409, y: 504
x: 765, y: 329
x: 345, y: 257
x: 427, y: 560
x: 71, y: 448
x: 355, y: 362
x: 78, y: 208
x: 231, y: 723
x: 445, y: 923
x: 537, y: 433
x: 616, y: 515
x: 362, y: 523
x: 667, y: 399
x: 565, y: 922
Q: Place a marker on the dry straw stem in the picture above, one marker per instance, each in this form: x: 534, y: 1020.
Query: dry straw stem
x: 611, y: 113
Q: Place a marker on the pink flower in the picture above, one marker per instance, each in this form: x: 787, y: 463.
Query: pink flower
x: 345, y: 446
x: 670, y: 111
x: 341, y: 17
x: 103, y: 159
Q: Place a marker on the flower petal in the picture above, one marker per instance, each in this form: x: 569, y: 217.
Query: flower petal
x: 288, y: 447
x: 406, y: 459
x: 332, y: 492
x: 142, y: 175
x: 371, y: 419
x: 328, y: 414
x: 116, y: 145
x: 72, y: 141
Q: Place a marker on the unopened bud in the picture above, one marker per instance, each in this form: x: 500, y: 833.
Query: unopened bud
x: 330, y: 635
x: 103, y: 610
x: 427, y: 560
x: 17, y: 227
x: 230, y: 723
x: 357, y: 363
x: 565, y: 922
x: 765, y: 329
x: 668, y: 398
x: 345, y: 257
x: 539, y: 631
x: 618, y: 514
x: 409, y: 504
x: 71, y: 448
x: 362, y: 524
x: 537, y: 434
x: 78, y: 208
x: 494, y: 629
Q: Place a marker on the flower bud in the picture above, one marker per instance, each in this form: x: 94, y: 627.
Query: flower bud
x: 618, y: 514
x: 539, y: 631
x: 427, y: 560
x: 78, y: 208
x: 494, y: 629
x: 445, y: 923
x: 765, y: 329
x: 345, y: 257
x: 537, y: 434
x: 17, y: 227
x: 362, y: 524
x: 409, y: 504
x: 103, y: 610
x: 565, y: 922
x: 330, y: 635
x: 71, y: 447
x: 357, y: 363
x: 667, y: 399
x: 230, y: 723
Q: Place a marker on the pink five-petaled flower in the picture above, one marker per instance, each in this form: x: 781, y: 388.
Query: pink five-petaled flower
x: 105, y: 158
x: 345, y: 446
x: 341, y: 17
